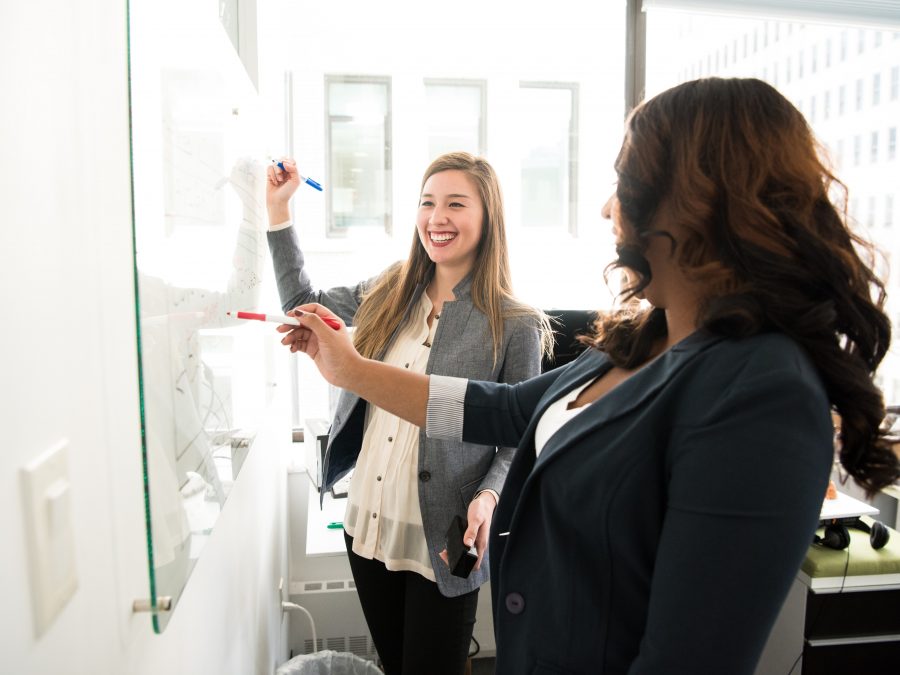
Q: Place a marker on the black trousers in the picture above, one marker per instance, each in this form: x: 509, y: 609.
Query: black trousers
x: 416, y: 630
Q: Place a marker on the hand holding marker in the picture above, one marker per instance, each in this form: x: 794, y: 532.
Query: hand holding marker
x: 308, y: 181
x: 281, y: 318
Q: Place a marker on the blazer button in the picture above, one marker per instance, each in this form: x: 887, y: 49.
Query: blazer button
x: 515, y: 603
x: 424, y: 476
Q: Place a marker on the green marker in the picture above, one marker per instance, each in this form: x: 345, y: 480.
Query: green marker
x: 336, y: 525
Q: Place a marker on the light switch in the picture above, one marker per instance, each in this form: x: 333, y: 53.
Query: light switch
x: 51, y: 540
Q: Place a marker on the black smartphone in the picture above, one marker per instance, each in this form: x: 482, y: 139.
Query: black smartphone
x: 461, y: 558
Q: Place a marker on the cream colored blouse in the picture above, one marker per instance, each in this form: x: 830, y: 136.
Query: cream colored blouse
x: 383, y: 514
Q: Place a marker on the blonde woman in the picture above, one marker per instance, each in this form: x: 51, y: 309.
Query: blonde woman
x: 447, y: 309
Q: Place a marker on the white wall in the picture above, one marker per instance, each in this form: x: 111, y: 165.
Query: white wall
x: 68, y: 354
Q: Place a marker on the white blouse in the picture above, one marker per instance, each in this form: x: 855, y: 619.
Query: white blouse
x: 556, y: 416
x: 383, y: 514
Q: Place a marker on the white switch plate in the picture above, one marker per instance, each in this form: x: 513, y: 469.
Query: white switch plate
x: 51, y: 541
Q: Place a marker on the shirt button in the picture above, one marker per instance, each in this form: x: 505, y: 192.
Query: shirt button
x: 378, y: 478
x: 406, y: 366
x: 425, y: 476
x: 437, y: 316
x: 374, y: 515
x: 390, y: 439
x: 427, y: 343
x: 515, y: 603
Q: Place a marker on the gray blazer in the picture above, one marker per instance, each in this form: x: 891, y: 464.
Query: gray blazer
x: 450, y: 471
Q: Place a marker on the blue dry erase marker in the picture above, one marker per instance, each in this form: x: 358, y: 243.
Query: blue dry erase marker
x: 308, y: 181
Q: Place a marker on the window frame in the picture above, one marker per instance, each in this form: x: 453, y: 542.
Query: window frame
x: 331, y: 231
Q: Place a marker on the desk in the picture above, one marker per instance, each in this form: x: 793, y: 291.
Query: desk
x: 840, y: 624
x: 845, y: 506
x: 852, y: 623
x: 320, y: 541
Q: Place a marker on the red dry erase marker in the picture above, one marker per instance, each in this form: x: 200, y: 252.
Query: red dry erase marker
x: 280, y: 318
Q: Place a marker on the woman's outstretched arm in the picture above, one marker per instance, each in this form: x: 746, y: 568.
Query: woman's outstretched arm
x: 396, y: 390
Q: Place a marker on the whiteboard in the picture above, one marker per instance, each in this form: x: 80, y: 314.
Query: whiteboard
x: 199, y: 248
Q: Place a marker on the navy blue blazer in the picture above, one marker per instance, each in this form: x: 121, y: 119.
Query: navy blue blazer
x: 661, y: 528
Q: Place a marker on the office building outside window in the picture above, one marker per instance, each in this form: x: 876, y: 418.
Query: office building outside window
x: 858, y: 125
x: 358, y: 141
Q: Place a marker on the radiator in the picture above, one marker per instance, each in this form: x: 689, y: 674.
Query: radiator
x: 340, y: 624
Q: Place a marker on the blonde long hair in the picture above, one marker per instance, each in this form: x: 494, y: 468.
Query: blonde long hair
x: 385, y: 303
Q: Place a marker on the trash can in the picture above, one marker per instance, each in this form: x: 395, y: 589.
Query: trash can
x: 328, y: 662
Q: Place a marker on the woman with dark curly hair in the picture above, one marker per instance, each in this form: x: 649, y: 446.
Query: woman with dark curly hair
x: 668, y: 482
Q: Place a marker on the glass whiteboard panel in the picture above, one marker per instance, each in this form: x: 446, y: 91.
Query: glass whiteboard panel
x: 199, y: 228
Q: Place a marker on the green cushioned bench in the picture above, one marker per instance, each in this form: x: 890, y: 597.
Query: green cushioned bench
x: 825, y: 568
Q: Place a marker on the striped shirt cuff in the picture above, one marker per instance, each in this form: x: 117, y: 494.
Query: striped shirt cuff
x: 280, y: 226
x: 446, y: 397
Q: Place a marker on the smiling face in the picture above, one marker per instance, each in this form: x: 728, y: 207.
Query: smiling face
x: 450, y: 219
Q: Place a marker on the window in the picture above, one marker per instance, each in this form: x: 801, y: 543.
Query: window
x: 371, y: 112
x: 853, y: 122
x: 455, y: 114
x: 548, y: 129
x: 359, y: 160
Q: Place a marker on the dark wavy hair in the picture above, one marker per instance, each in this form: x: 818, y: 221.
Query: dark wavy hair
x: 736, y: 164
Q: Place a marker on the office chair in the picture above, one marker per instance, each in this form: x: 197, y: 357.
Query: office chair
x: 567, y: 324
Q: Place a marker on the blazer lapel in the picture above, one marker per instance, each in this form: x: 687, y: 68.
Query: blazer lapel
x: 589, y: 365
x: 626, y: 397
